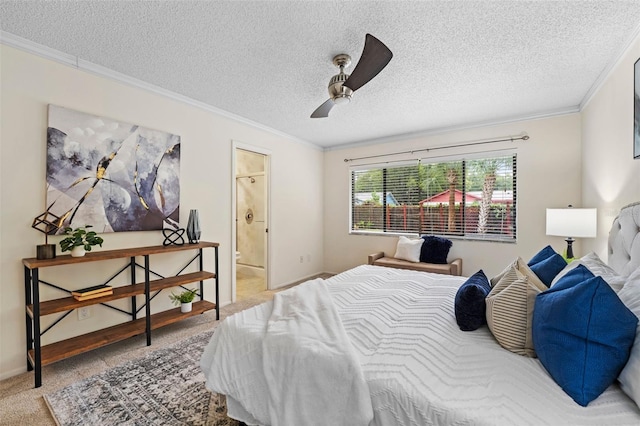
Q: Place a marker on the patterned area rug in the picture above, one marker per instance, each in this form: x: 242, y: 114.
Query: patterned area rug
x: 164, y: 388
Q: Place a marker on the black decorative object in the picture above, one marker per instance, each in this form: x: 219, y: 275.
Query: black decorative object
x: 175, y: 237
x: 48, y: 224
x: 45, y: 251
x: 193, y: 227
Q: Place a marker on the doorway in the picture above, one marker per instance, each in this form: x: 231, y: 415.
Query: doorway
x: 251, y: 190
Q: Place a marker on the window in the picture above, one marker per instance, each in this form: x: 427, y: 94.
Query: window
x: 471, y: 198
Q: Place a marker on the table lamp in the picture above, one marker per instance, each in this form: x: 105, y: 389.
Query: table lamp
x: 571, y: 222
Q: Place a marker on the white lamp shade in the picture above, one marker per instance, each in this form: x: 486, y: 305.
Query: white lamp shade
x: 579, y: 223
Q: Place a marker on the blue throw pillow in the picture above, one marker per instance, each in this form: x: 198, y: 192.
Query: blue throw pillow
x: 583, y: 334
x: 575, y: 276
x: 470, y: 306
x: 543, y: 254
x: 547, y: 269
x: 435, y: 249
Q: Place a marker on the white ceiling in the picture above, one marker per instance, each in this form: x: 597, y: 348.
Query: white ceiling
x: 455, y: 63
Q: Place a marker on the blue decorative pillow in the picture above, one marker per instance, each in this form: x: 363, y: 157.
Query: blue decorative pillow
x: 543, y: 254
x: 470, y: 306
x: 435, y: 249
x: 548, y: 268
x: 574, y: 277
x: 582, y: 334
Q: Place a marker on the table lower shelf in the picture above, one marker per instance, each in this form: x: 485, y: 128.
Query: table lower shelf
x: 97, y: 339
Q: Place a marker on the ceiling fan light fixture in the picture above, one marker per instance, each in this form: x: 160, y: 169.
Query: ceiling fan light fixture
x: 337, y: 91
x: 342, y: 99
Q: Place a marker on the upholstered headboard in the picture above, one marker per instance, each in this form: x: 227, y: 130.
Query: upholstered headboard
x: 624, y: 240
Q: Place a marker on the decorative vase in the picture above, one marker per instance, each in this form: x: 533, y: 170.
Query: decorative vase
x: 78, y: 251
x: 186, y: 307
x: 193, y: 227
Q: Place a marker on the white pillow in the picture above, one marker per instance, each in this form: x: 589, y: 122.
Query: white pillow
x: 409, y: 249
x: 629, y: 378
x: 598, y: 268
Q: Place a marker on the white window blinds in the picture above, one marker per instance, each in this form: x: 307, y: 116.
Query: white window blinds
x: 473, y: 198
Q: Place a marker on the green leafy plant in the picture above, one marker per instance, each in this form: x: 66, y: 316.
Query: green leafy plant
x: 80, y: 237
x: 184, y: 297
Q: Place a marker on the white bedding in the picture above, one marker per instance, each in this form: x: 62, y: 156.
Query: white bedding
x: 309, y: 362
x: 419, y: 367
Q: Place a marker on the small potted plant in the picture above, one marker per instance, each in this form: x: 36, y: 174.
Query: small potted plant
x: 184, y: 299
x: 79, y: 240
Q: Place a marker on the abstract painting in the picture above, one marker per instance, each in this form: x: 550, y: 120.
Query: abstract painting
x: 636, y: 110
x: 112, y: 175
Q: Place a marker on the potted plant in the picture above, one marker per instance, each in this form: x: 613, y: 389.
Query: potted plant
x: 79, y: 240
x: 184, y: 299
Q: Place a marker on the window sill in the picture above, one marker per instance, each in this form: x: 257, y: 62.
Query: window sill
x: 470, y: 237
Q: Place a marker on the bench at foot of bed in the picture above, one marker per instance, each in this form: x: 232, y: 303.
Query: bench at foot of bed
x: 452, y: 268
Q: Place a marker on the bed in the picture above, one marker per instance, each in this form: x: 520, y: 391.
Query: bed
x: 389, y: 352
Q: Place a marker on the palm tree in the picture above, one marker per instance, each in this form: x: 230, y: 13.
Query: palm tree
x: 488, y: 168
x: 452, y: 178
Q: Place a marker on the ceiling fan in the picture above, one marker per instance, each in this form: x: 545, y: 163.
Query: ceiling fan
x: 375, y: 57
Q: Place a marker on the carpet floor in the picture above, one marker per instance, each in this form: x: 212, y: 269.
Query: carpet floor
x: 22, y: 404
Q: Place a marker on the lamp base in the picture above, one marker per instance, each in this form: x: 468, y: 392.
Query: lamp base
x: 569, y: 241
x: 46, y: 251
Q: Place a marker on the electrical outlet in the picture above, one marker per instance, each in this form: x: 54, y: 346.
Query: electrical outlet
x: 308, y: 258
x: 83, y: 313
x: 301, y: 259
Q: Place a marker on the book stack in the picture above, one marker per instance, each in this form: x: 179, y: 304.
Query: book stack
x: 92, y: 292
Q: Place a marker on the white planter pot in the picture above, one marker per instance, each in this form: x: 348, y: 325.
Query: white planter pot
x: 78, y: 251
x: 186, y: 307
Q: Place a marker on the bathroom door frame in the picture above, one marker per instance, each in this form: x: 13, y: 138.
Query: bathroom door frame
x: 267, y: 175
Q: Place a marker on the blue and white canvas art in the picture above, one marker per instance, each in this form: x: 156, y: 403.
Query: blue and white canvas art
x: 112, y: 175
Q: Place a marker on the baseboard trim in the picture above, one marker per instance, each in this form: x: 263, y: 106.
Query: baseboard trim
x: 12, y: 373
x: 300, y: 281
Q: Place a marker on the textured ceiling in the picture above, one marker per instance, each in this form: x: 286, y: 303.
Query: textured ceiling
x: 455, y: 63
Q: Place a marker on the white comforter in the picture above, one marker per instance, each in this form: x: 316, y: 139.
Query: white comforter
x: 307, y: 361
x: 419, y: 367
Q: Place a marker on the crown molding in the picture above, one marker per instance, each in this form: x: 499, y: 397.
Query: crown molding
x: 37, y: 49
x: 452, y: 129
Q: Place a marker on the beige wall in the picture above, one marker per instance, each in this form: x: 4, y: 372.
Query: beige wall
x: 611, y: 177
x: 30, y: 82
x: 548, y: 176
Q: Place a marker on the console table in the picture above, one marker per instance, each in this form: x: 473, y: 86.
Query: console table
x: 38, y: 355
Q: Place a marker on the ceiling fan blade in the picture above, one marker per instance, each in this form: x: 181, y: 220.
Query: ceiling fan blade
x: 323, y: 110
x: 375, y: 57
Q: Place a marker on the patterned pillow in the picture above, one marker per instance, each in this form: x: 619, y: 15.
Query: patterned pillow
x: 408, y: 249
x: 470, y: 305
x: 435, y: 249
x: 510, y: 307
x: 583, y: 335
x: 629, y: 378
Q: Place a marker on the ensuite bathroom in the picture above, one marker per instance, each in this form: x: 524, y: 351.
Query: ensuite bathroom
x: 251, y: 223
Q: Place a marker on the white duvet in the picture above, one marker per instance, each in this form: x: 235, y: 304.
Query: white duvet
x: 419, y: 367
x: 310, y: 369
